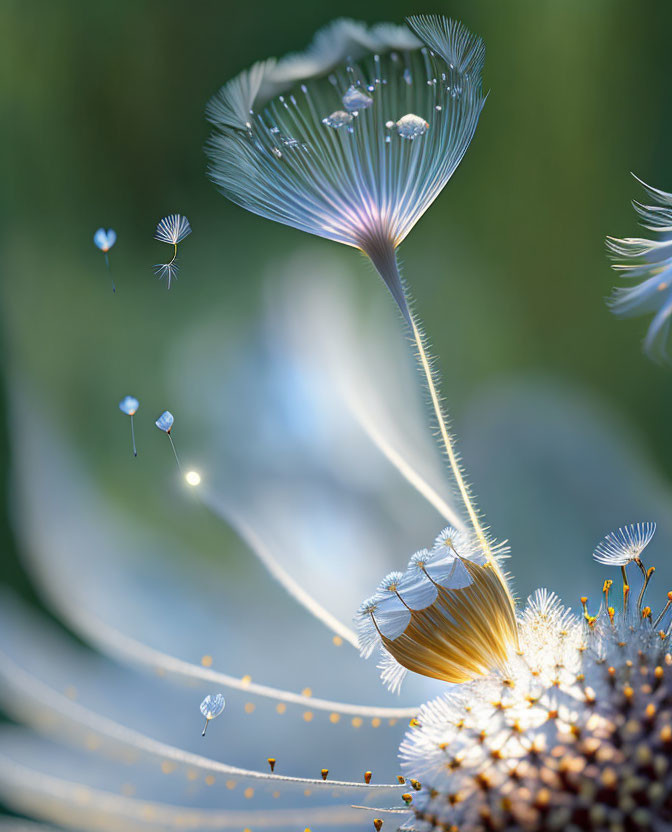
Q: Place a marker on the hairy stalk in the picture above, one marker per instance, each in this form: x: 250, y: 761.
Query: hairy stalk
x: 384, y: 258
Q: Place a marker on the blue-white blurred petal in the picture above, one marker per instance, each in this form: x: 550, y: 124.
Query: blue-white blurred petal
x: 650, y: 259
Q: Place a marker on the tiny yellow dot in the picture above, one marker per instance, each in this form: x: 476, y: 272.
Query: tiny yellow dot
x: 249, y: 707
x: 334, y: 718
x: 308, y: 716
x: 192, y: 774
x: 82, y: 794
x: 337, y: 641
x: 71, y: 692
x: 249, y: 792
x: 160, y: 671
x: 167, y: 767
x: 276, y: 794
x: 307, y: 792
x: 206, y: 661
x: 148, y: 812
x: 392, y: 722
x: 246, y: 680
x: 92, y: 742
x: 307, y: 692
x: 230, y: 784
x: 356, y: 721
x: 375, y: 721
x: 209, y: 780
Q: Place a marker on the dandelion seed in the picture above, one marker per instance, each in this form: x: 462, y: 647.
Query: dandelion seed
x: 129, y: 405
x: 165, y: 423
x: 652, y: 261
x: 356, y: 186
x: 172, y: 230
x: 625, y: 545
x: 104, y: 240
x: 211, y: 707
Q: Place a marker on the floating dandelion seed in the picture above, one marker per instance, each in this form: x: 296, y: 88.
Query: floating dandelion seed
x: 211, y: 707
x: 172, y: 230
x: 359, y: 187
x: 129, y: 405
x: 625, y: 544
x: 652, y: 261
x: 104, y: 240
x: 165, y: 423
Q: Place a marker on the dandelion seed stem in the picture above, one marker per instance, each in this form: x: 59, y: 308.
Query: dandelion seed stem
x: 135, y: 452
x: 177, y: 459
x: 109, y: 270
x: 626, y: 590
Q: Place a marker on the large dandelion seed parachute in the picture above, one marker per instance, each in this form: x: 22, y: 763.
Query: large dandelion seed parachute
x: 626, y: 544
x: 352, y: 141
x: 649, y: 260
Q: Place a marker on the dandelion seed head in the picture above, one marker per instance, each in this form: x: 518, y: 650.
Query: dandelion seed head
x: 129, y: 405
x: 650, y: 261
x: 172, y: 229
x: 625, y: 544
x: 213, y: 705
x: 350, y: 183
x: 165, y: 421
x: 555, y: 739
x: 104, y: 240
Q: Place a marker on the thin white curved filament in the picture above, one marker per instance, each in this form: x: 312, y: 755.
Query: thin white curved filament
x: 31, y: 688
x: 116, y: 643
x: 17, y: 780
x: 447, y: 439
x: 403, y: 466
x: 297, y: 592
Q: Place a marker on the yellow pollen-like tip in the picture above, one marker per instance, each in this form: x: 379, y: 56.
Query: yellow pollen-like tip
x: 669, y: 596
x: 378, y: 824
x: 271, y: 762
x: 367, y: 777
x: 401, y: 780
x: 337, y: 640
x: 206, y: 661
x: 407, y: 798
x: 414, y: 723
x: 607, y: 585
x: 646, y: 612
x: 325, y: 773
x: 628, y: 692
x: 416, y: 785
x: 584, y: 599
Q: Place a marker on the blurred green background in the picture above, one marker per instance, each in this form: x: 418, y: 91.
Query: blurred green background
x: 102, y: 105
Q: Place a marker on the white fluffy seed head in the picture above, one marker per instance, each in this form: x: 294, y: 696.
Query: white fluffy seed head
x: 575, y: 722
